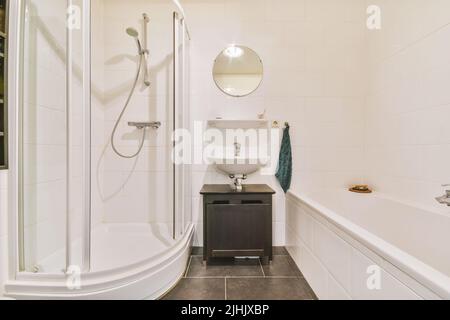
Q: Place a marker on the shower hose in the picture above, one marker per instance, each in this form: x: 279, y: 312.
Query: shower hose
x: 141, y: 145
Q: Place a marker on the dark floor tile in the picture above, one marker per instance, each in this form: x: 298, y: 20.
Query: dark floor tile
x: 197, y: 251
x: 281, y: 266
x: 198, y: 289
x: 226, y: 268
x: 268, y: 289
x: 281, y: 251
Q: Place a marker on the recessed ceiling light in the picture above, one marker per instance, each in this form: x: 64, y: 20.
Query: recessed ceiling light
x: 233, y: 52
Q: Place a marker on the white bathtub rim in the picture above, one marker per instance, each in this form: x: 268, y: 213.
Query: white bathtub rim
x: 54, y: 286
x: 434, y: 280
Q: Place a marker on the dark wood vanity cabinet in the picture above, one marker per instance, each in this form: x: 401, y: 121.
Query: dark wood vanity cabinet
x: 237, y: 224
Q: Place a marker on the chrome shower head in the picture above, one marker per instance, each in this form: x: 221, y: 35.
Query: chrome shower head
x: 142, y: 52
x: 133, y: 33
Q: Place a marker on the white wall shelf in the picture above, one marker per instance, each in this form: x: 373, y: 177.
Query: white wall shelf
x: 238, y: 124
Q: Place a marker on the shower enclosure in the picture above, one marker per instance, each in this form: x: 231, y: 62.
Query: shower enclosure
x: 80, y: 211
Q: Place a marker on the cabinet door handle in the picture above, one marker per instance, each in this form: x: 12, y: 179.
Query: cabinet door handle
x: 221, y: 202
x: 252, y: 202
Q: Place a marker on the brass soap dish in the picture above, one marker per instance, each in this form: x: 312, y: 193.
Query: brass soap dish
x: 360, y: 189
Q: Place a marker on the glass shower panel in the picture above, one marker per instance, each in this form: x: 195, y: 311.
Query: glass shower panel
x: 44, y: 170
x: 54, y: 144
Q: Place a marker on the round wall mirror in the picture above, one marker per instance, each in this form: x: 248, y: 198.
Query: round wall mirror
x: 238, y: 71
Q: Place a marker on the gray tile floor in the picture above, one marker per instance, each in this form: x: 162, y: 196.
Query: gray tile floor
x: 242, y: 279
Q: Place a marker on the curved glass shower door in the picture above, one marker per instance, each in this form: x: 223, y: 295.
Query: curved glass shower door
x: 134, y: 218
x: 82, y: 207
x: 52, y: 172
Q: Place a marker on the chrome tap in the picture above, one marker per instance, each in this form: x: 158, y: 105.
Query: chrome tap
x: 445, y: 199
x: 236, y: 185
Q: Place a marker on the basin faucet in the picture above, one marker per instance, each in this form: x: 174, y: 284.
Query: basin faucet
x: 445, y: 199
x: 237, y: 149
x: 236, y: 185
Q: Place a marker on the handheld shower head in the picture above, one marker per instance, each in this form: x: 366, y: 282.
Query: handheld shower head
x: 132, y: 32
x: 142, y: 52
x: 135, y: 34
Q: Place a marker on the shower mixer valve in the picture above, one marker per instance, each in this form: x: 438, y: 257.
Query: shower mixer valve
x: 143, y: 125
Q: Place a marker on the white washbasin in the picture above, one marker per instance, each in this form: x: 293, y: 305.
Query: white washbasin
x: 232, y: 165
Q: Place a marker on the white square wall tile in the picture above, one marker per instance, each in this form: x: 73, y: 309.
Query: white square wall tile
x: 197, y: 209
x: 201, y: 178
x: 289, y: 10
x: 237, y: 10
x: 279, y: 208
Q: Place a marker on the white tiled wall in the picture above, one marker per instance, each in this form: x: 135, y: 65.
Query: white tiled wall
x: 313, y: 54
x: 3, y: 229
x: 408, y: 104
x: 134, y: 190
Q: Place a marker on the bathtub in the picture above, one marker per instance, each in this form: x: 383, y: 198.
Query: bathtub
x: 359, y: 246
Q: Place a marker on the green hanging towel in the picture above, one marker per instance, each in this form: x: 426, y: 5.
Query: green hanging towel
x: 284, y: 172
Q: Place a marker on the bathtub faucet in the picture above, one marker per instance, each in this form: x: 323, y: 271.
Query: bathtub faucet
x: 445, y: 199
